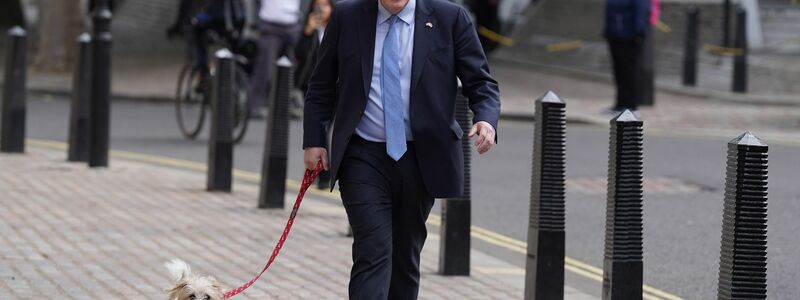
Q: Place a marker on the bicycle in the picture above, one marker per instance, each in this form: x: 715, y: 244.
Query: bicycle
x: 194, y: 90
x: 193, y: 99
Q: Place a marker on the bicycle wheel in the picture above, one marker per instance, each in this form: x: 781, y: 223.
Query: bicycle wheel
x: 190, y: 103
x: 241, y: 104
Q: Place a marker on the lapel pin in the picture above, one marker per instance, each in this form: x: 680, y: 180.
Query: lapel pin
x: 429, y: 25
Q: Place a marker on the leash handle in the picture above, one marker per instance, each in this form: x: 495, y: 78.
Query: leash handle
x: 308, y: 180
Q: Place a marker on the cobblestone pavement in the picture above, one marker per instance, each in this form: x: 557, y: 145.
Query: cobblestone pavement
x: 70, y: 232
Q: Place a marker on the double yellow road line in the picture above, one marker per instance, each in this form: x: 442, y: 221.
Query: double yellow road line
x: 479, y: 233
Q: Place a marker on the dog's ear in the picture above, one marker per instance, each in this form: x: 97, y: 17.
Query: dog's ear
x: 178, y: 270
x: 213, y: 281
x: 217, y: 288
x: 175, y: 292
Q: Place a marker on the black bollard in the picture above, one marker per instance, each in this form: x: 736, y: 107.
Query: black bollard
x: 78, y: 149
x: 100, y: 107
x: 622, y: 264
x: 454, y: 256
x: 743, y: 255
x: 273, y: 171
x: 220, y: 141
x: 740, y: 58
x: 691, y: 41
x: 12, y: 129
x: 544, y: 269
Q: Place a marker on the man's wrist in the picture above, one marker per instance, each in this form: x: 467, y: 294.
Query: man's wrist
x: 487, y: 123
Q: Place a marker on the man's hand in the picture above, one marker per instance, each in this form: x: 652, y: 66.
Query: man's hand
x: 485, y: 138
x: 313, y: 155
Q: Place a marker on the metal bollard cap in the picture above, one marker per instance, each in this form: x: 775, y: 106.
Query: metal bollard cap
x: 284, y: 62
x: 16, y: 31
x: 103, y: 13
x: 550, y: 97
x: 626, y: 116
x: 224, y: 53
x: 747, y: 139
x: 84, y: 37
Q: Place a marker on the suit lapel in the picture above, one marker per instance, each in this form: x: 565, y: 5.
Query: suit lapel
x: 366, y: 39
x: 422, y: 41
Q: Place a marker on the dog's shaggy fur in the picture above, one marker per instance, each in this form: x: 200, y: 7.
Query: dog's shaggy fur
x: 188, y: 286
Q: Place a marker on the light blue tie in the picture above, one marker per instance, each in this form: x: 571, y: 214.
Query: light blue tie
x: 391, y: 94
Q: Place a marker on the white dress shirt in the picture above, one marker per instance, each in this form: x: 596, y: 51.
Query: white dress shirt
x: 371, y: 127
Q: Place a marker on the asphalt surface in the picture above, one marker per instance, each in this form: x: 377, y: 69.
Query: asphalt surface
x: 682, y: 211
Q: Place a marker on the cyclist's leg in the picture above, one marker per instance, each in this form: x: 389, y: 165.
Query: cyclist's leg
x: 199, y: 27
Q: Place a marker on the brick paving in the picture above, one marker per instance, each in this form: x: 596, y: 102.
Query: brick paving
x: 70, y: 232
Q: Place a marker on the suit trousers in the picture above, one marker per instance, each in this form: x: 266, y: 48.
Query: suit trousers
x: 387, y: 205
x: 626, y: 60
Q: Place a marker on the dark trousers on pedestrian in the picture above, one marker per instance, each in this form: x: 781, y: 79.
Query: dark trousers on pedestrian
x: 626, y: 60
x: 387, y: 205
x: 647, y: 63
x: 275, y: 40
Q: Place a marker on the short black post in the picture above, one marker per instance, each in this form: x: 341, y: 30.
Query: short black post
x: 78, y: 149
x: 12, y: 129
x: 454, y: 252
x: 740, y: 56
x: 544, y: 268
x: 100, y: 107
x: 743, y: 255
x: 273, y: 170
x: 220, y: 141
x: 690, y: 43
x: 622, y: 263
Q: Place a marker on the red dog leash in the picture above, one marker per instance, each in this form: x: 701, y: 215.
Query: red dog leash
x: 308, y: 180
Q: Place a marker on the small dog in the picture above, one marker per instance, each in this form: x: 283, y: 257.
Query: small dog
x: 189, y: 286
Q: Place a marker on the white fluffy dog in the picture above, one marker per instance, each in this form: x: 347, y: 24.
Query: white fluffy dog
x: 188, y: 286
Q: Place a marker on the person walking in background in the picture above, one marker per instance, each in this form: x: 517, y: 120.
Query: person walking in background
x: 387, y: 70
x: 319, y: 13
x: 279, y: 30
x: 626, y: 23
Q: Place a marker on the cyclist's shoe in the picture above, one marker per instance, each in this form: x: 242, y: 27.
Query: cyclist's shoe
x: 202, y: 83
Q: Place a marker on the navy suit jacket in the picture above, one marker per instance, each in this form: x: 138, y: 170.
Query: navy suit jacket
x: 446, y: 47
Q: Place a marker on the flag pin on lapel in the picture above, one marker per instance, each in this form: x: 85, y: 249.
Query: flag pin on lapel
x: 429, y: 25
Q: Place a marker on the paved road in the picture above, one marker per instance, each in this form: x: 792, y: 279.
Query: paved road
x: 683, y: 191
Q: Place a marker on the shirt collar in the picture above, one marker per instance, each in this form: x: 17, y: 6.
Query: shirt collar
x: 406, y: 15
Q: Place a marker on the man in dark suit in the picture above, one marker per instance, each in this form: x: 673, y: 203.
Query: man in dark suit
x: 385, y: 83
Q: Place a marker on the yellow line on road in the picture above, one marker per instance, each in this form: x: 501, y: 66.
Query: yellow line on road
x: 663, y: 27
x: 719, y: 50
x: 565, y: 46
x: 500, y: 270
x: 482, y: 234
x: 495, y: 37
